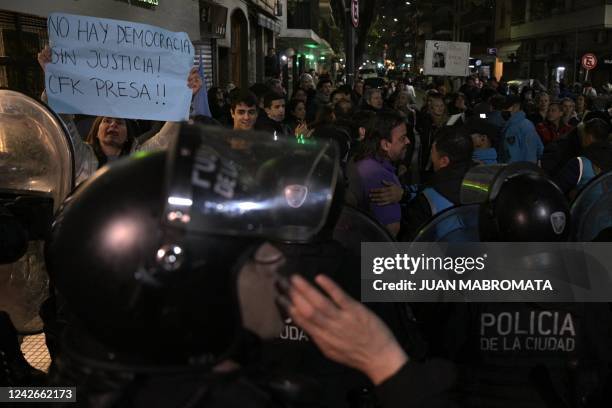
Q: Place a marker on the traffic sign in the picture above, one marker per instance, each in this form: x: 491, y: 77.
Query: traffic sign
x: 492, y: 51
x: 589, y: 61
x: 355, y: 13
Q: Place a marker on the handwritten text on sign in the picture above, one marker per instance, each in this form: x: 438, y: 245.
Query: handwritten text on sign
x: 117, y: 68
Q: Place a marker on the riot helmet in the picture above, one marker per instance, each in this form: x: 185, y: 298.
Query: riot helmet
x: 160, y: 257
x: 37, y: 168
x: 518, y: 204
x: 592, y: 211
x: 296, y: 178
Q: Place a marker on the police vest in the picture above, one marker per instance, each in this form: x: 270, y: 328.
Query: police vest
x: 535, y: 355
x: 587, y: 173
x: 437, y: 204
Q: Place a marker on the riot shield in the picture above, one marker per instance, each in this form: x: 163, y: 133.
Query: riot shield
x: 480, y: 185
x: 36, y: 174
x: 457, y: 224
x: 249, y: 184
x: 591, y: 211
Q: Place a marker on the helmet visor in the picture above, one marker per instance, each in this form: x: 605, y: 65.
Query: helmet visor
x: 482, y: 183
x: 249, y: 184
x: 35, y: 151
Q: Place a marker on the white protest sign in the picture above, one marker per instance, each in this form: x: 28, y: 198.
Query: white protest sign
x: 117, y: 68
x: 446, y: 58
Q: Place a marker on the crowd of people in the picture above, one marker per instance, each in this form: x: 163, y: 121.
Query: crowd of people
x: 392, y: 149
x: 401, y: 164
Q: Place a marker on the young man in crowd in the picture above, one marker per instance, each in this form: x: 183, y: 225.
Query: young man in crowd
x: 324, y: 91
x: 272, y: 120
x: 569, y: 112
x: 243, y: 109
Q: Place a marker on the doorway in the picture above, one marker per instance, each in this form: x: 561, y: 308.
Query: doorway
x: 239, y: 49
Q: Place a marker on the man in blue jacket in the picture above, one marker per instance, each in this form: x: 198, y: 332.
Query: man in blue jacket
x: 520, y: 141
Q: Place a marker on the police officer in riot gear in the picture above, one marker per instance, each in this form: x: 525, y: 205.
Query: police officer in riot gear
x: 293, y: 353
x: 451, y: 156
x: 525, y: 354
x: 163, y: 275
x: 36, y: 167
x: 527, y: 208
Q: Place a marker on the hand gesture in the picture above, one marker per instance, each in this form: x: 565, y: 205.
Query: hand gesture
x: 194, y: 81
x: 301, y: 129
x: 390, y: 194
x: 345, y: 330
x: 44, y: 57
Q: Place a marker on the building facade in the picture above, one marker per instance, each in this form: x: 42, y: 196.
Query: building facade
x: 473, y: 23
x: 306, y: 28
x: 252, y: 27
x: 545, y: 39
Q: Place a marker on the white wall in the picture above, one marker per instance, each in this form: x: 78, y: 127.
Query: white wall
x: 173, y: 15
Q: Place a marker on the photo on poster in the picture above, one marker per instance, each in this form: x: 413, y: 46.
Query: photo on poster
x: 439, y: 60
x: 446, y: 58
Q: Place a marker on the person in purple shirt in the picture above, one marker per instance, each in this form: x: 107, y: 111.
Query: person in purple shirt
x: 373, y: 167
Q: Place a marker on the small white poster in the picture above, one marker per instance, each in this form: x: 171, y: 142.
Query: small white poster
x: 446, y: 58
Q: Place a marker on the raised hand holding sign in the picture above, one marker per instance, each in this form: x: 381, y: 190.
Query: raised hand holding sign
x: 116, y: 68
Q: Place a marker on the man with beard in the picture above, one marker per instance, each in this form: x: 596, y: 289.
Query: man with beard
x: 451, y: 157
x: 374, y: 166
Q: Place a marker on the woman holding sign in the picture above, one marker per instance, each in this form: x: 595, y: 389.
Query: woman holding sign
x: 111, y: 138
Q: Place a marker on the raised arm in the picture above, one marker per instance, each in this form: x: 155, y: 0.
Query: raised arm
x: 162, y: 138
x: 85, y: 161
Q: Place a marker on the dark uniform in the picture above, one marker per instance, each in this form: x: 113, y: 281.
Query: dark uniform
x: 338, y: 257
x: 532, y: 355
x: 525, y: 354
x: 161, y: 288
x: 441, y: 193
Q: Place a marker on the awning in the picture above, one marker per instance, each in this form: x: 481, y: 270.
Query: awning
x: 506, y: 50
x: 267, y: 22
